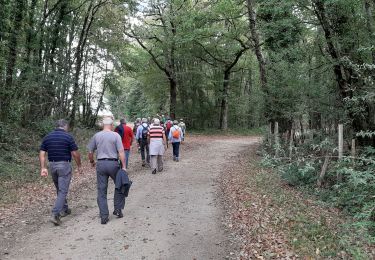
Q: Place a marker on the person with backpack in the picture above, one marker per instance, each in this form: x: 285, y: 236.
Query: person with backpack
x: 168, y: 126
x: 126, y: 134
x: 141, y: 136
x: 136, y: 124
x: 157, y: 142
x: 175, y: 136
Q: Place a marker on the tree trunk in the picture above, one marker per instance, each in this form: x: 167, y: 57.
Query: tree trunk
x: 338, y: 69
x: 173, y: 97
x: 12, y: 58
x: 100, y: 103
x: 183, y: 82
x: 30, y: 35
x: 257, y: 47
x: 79, y: 58
x: 68, y: 64
x: 25, y: 73
x: 370, y: 25
x: 4, y: 28
x: 224, y: 102
x: 50, y: 84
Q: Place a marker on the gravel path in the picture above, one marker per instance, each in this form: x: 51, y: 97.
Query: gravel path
x: 173, y: 215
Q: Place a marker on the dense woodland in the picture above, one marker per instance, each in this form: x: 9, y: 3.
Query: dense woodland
x: 307, y: 65
x: 215, y: 63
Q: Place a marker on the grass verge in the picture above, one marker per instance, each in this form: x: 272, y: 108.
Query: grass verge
x: 19, y: 162
x: 313, y: 230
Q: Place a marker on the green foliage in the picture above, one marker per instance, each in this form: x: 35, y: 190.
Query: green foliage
x: 19, y: 163
x: 278, y: 17
x: 5, y: 133
x: 309, y: 229
x: 43, y: 127
x: 57, y: 58
x: 299, y: 173
x: 132, y: 101
x: 354, y: 194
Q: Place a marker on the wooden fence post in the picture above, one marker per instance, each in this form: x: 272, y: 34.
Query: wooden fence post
x: 323, y: 171
x: 291, y: 143
x: 270, y: 134
x: 277, y: 143
x: 341, y: 140
x: 341, y: 147
x: 353, y: 149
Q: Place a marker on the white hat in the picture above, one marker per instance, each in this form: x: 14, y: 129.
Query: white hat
x: 107, y: 121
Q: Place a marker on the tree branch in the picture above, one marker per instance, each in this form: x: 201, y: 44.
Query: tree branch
x: 209, y: 53
x: 153, y: 56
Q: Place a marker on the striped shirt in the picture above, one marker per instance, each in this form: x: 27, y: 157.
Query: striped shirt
x: 59, y: 146
x: 156, y: 132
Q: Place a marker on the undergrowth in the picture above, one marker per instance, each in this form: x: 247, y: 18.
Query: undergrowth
x: 348, y: 184
x: 311, y: 232
x: 19, y: 150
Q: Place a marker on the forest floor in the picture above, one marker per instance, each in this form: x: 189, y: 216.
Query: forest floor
x: 216, y: 203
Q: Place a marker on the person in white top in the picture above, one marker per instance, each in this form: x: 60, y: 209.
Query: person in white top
x: 183, y: 128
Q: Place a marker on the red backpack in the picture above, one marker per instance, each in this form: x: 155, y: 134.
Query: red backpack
x: 169, y: 125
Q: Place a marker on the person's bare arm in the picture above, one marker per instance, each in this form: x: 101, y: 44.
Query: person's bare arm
x: 77, y: 157
x: 165, y: 141
x: 91, y: 159
x: 42, y: 160
x: 122, y: 159
x: 131, y: 138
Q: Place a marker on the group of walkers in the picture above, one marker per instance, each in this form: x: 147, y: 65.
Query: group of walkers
x: 152, y: 138
x: 112, y: 150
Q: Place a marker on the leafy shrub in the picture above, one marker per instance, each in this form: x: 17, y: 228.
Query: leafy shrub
x: 354, y: 192
x: 43, y: 127
x: 299, y: 173
x: 5, y: 133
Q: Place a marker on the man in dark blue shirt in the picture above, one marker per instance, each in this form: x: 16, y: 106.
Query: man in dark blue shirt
x: 60, y: 147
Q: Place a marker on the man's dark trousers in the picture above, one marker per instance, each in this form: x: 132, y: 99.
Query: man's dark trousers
x: 104, y: 170
x: 61, y: 173
x: 145, y: 148
x: 176, y: 149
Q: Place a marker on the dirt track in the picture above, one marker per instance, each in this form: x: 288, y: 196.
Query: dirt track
x: 173, y: 215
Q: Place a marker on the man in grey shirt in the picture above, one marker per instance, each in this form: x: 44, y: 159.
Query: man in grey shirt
x: 109, y: 150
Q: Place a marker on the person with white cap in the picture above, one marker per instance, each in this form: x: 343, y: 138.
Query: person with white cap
x: 109, y: 150
x: 157, y: 142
